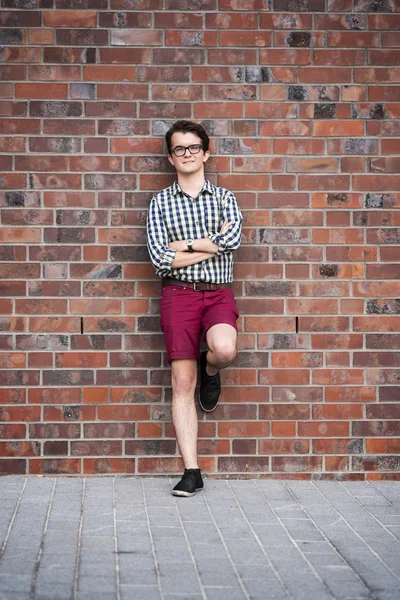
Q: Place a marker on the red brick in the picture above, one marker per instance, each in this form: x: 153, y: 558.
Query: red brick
x: 284, y: 128
x: 338, y: 376
x: 348, y: 306
x: 41, y: 90
x: 337, y: 359
x: 337, y: 446
x: 337, y: 463
x: 353, y: 39
x: 191, y: 38
x: 296, y: 463
x: 59, y: 466
x: 303, y: 306
x: 383, y: 21
x: 376, y: 428
x: 181, y: 20
x: 338, y: 411
x: 283, y: 428
x: 281, y: 56
x: 63, y: 18
x: 297, y: 271
x: 285, y: 412
x: 246, y: 464
x: 232, y: 21
x: 374, y: 75
x: 390, y: 39
x: 243, y: 446
x: 284, y: 377
x: 383, y: 446
x: 296, y: 359
x: 336, y: 341
x: 108, y: 465
x: 245, y: 38
x: 321, y: 429
x: 283, y: 446
x: 231, y: 56
x: 375, y: 323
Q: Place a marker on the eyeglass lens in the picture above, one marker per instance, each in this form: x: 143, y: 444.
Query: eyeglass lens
x: 193, y: 149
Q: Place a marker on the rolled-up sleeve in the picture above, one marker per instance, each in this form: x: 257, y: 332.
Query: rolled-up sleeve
x: 161, y: 256
x: 230, y: 239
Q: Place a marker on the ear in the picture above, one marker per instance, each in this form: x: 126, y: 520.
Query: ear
x: 170, y: 159
x: 206, y: 156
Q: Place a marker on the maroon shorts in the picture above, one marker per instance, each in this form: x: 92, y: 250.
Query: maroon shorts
x: 187, y: 315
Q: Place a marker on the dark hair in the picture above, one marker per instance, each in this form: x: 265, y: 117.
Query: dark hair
x: 187, y: 127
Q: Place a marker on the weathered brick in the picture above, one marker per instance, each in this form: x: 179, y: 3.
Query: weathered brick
x: 296, y: 103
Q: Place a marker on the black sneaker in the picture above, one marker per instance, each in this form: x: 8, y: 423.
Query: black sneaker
x: 210, y: 387
x: 191, y: 482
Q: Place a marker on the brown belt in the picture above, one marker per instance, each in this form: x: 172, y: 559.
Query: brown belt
x: 197, y: 286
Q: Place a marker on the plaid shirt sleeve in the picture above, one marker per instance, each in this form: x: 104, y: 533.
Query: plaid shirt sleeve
x: 161, y: 256
x: 230, y: 239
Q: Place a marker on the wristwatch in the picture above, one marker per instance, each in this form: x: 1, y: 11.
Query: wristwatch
x: 190, y: 243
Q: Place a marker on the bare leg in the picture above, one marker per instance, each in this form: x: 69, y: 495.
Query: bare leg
x: 184, y: 416
x: 222, y: 344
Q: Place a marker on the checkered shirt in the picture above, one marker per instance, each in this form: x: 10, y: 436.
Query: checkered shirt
x: 174, y: 215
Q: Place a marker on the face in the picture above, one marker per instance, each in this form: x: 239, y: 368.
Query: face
x: 187, y: 164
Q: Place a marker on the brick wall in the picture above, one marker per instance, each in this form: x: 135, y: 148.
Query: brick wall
x: 302, y: 100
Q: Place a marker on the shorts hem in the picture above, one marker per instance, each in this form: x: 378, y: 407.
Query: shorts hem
x: 170, y: 358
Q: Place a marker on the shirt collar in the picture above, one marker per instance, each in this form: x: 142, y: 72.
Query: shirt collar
x: 206, y: 187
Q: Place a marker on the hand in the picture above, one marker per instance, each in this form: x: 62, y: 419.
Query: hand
x: 179, y: 245
x: 225, y: 226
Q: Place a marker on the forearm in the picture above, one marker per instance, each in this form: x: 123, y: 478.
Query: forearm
x: 185, y: 259
x: 205, y: 245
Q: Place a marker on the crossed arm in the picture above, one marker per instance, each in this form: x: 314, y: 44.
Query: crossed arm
x: 167, y: 255
x: 203, y: 248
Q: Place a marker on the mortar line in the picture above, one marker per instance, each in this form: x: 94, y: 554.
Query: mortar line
x: 78, y: 550
x: 157, y: 567
x: 116, y: 541
x: 358, y: 535
x: 277, y: 575
x: 331, y: 544
x: 39, y: 555
x: 203, y: 592
x: 244, y: 590
x: 14, y: 515
x: 370, y: 513
x: 317, y: 575
x: 377, y: 489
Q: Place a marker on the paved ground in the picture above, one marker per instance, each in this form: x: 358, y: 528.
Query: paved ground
x: 128, y: 538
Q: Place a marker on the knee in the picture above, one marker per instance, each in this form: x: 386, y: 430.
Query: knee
x: 225, y: 354
x: 183, y: 385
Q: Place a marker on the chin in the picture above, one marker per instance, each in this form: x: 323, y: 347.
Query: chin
x: 190, y: 168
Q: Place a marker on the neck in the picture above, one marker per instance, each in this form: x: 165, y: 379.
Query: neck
x: 192, y: 183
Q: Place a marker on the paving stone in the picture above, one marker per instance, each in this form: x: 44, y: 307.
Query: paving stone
x: 139, y: 592
x: 278, y: 539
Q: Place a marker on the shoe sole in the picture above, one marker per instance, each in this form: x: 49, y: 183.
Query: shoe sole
x: 207, y: 409
x: 185, y: 494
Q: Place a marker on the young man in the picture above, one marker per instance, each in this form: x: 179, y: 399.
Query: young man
x: 193, y: 227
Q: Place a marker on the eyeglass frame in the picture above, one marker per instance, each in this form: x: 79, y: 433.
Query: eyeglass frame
x: 187, y: 148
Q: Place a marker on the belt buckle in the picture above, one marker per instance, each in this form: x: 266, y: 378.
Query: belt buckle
x: 194, y: 286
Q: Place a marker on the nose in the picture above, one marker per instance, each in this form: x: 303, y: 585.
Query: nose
x: 186, y: 149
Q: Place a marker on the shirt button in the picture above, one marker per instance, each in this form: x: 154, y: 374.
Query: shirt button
x: 196, y: 222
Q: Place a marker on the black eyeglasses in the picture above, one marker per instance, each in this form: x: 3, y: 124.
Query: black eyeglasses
x: 181, y: 150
